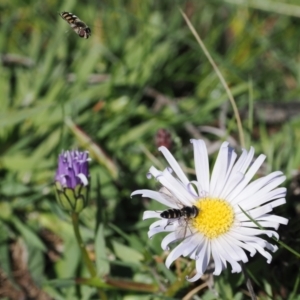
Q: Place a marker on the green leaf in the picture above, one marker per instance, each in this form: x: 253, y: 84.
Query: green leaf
x: 69, y: 263
x: 29, y: 236
x: 4, y: 249
x: 15, y: 117
x: 137, y: 132
x: 36, y: 263
x: 102, y: 263
x: 127, y: 254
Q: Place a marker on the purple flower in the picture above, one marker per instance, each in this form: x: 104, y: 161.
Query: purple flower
x: 72, y: 179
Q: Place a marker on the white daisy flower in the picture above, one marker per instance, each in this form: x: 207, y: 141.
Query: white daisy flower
x: 214, y: 226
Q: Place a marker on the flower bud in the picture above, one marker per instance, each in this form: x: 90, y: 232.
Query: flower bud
x: 163, y: 138
x: 72, y: 179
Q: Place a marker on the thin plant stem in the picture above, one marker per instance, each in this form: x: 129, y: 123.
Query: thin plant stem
x: 219, y: 74
x: 87, y: 261
x: 193, y: 292
x: 180, y: 282
x: 283, y: 245
x: 248, y: 282
x: 296, y: 285
x: 251, y: 105
x: 119, y: 284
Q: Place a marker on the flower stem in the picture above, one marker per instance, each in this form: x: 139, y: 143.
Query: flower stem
x: 87, y: 261
x: 180, y: 281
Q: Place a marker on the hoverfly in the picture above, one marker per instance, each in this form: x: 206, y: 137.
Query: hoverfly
x: 183, y: 215
x: 186, y: 212
x: 78, y: 26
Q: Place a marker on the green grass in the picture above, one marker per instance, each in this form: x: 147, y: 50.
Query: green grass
x: 136, y: 45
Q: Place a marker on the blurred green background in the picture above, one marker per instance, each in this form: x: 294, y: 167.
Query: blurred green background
x: 141, y: 79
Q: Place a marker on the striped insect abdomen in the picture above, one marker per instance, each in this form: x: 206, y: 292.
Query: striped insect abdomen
x: 171, y: 214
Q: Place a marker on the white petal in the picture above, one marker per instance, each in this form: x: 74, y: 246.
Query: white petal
x: 233, y: 240
x: 194, y: 278
x: 248, y: 176
x: 159, y: 223
x: 254, y: 213
x: 174, y: 254
x: 172, y: 196
x: 154, y: 172
x: 156, y: 230
x: 201, y: 165
x: 264, y: 253
x: 258, y: 184
x: 253, y: 232
x: 190, y: 188
x: 220, y: 264
x: 168, y: 239
x: 274, y: 218
x: 199, y: 241
x: 236, y: 252
x: 271, y: 247
x: 203, y: 257
x: 227, y: 255
x: 83, y: 179
x: 219, y: 171
x: 202, y: 261
x: 176, y: 188
x: 222, y: 185
x: 156, y: 196
x: 240, y: 162
x: 247, y: 238
x: 191, y: 247
x: 148, y: 214
x: 256, y: 200
x: 259, y: 188
x: 263, y: 224
x: 178, y: 251
x: 247, y: 161
x: 243, y: 162
x: 174, y: 165
x: 233, y: 181
x: 278, y: 202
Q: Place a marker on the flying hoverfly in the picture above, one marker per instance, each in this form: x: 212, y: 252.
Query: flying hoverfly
x: 183, y: 215
x: 78, y: 26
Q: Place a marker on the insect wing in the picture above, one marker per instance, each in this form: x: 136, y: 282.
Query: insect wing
x: 170, y: 198
x: 184, y: 228
x: 78, y: 26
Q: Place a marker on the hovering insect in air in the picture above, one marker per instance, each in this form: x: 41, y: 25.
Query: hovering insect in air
x: 182, y: 215
x: 78, y: 26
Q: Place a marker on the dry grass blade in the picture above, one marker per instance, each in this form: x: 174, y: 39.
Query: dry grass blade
x: 219, y: 74
x: 194, y: 291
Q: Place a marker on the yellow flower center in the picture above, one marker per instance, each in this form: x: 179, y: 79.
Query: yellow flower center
x: 215, y: 217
